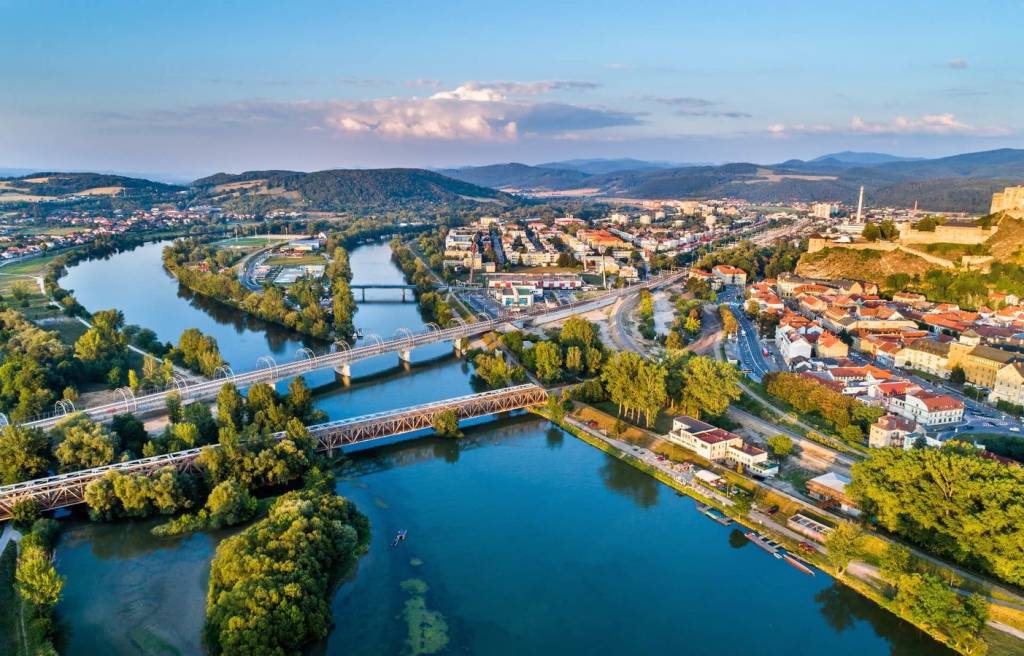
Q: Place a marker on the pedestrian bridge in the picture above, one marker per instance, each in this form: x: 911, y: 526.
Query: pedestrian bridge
x: 340, y: 359
x: 69, y: 489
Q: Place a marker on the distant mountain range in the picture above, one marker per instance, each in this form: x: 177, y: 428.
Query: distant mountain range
x: 863, y: 159
x: 602, y: 166
x: 957, y: 183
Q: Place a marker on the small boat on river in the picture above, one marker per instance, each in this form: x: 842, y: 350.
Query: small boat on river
x: 714, y: 513
x: 797, y: 563
x: 399, y: 537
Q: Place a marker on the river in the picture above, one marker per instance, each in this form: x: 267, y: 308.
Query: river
x: 521, y: 538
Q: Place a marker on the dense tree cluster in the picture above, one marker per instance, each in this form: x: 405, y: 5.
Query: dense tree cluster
x: 729, y: 324
x: 270, y: 584
x: 34, y: 364
x: 230, y: 503
x: 190, y: 262
x: 249, y: 455
x: 687, y: 324
x: 951, y: 501
x: 636, y: 385
x: 24, y: 454
x: 81, y: 443
x: 343, y: 303
x: 886, y: 230
x: 758, y: 261
x: 198, y: 352
x: 38, y: 583
x: 850, y: 418
x: 700, y: 386
x: 116, y: 495
x: 966, y: 288
x: 646, y: 315
x: 496, y: 371
x: 446, y: 424
x: 575, y: 351
x: 434, y: 306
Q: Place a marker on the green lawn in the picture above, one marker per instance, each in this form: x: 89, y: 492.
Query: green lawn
x: 49, y: 230
x: 30, y: 267
x: 298, y: 260
x: 245, y: 242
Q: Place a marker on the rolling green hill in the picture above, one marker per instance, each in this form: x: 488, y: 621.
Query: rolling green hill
x: 341, y: 190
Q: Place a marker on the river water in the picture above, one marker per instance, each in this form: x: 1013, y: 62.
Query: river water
x: 521, y: 538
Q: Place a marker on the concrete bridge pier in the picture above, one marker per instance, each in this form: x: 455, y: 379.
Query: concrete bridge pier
x: 405, y: 355
x: 460, y: 345
x: 345, y: 373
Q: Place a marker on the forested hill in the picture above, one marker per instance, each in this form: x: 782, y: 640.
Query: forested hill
x: 50, y: 185
x: 340, y: 189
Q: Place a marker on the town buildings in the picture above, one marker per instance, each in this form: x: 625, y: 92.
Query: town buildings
x: 717, y: 445
x: 830, y: 490
x: 893, y: 431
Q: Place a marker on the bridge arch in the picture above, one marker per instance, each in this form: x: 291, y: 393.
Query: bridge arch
x: 268, y: 362
x: 63, y: 407
x: 181, y: 385
x: 131, y: 404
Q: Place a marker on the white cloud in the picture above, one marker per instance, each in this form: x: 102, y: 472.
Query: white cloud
x: 946, y: 123
x: 474, y: 111
x: 929, y: 124
x: 497, y: 91
x: 957, y: 63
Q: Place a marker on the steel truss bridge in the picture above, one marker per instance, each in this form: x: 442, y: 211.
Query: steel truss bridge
x: 339, y: 359
x: 69, y: 489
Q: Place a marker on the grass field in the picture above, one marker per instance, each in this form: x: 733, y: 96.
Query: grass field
x: 37, y: 304
x: 48, y: 230
x: 299, y: 260
x: 245, y: 242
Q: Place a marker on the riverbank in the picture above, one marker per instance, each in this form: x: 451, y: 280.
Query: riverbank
x: 1004, y: 629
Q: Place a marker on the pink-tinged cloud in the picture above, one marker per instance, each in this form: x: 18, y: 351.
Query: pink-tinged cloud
x: 929, y: 124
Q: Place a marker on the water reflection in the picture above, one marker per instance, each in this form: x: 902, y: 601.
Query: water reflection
x: 554, y: 437
x: 630, y: 482
x: 844, y: 608
x: 737, y: 540
x: 278, y: 337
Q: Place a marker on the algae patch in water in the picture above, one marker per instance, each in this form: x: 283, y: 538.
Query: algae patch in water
x: 415, y: 562
x: 380, y: 503
x: 428, y: 630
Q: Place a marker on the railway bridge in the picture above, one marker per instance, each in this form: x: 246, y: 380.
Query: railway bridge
x: 340, y: 359
x: 69, y: 489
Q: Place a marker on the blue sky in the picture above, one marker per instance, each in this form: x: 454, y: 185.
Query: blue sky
x: 189, y: 88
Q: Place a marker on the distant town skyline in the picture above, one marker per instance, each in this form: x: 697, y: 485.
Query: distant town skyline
x: 192, y: 88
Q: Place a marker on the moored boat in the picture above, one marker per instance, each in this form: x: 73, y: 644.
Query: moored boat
x: 797, y: 563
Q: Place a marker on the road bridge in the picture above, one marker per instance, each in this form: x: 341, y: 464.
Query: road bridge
x: 340, y: 359
x: 404, y: 288
x: 69, y: 489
